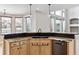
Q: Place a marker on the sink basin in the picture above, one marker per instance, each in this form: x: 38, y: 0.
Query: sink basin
x: 39, y: 36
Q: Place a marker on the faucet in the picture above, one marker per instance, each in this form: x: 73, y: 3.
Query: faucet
x: 39, y: 30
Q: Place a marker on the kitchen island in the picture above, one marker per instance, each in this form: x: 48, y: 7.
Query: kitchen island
x: 39, y: 44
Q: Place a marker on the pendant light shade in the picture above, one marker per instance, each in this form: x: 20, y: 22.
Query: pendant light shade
x: 30, y: 10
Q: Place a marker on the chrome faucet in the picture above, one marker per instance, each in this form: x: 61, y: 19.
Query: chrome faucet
x: 39, y: 30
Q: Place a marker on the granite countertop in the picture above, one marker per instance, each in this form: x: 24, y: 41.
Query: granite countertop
x: 45, y: 32
x: 40, y: 34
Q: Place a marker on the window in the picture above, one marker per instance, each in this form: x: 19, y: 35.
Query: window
x: 28, y: 24
x: 53, y: 12
x: 64, y: 23
x: 18, y: 24
x: 6, y: 25
x: 58, y: 21
x: 63, y: 12
x: 59, y: 12
x: 52, y: 24
x: 58, y: 25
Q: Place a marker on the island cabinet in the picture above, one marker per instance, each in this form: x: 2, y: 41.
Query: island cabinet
x: 40, y: 46
x: 13, y: 47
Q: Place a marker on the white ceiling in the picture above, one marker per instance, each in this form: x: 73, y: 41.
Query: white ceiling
x: 14, y: 8
x: 63, y: 6
x: 24, y: 8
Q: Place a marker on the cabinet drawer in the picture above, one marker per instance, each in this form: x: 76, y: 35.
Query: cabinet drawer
x: 14, y: 44
x: 23, y: 42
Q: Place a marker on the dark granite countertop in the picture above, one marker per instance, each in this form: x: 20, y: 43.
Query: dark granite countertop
x: 39, y: 35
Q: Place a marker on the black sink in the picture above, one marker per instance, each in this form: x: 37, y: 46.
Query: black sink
x: 39, y: 36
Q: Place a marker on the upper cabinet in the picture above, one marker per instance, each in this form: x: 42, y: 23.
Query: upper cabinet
x: 74, y: 21
x: 74, y: 25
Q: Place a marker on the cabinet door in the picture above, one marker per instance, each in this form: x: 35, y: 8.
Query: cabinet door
x: 46, y: 46
x: 15, y: 50
x: 34, y: 48
x: 23, y: 48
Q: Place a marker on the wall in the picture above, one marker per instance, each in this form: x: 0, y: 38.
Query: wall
x: 42, y: 21
x: 33, y: 19
x: 73, y: 12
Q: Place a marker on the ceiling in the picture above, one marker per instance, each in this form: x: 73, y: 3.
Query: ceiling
x: 24, y: 8
x: 63, y: 6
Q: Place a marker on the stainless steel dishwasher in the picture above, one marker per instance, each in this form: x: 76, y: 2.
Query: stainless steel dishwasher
x: 59, y: 47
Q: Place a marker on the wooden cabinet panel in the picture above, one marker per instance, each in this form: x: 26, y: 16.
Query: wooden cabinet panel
x: 17, y: 47
x: 14, y: 44
x: 34, y: 48
x: 14, y: 50
x: 23, y: 50
x: 70, y: 47
x: 23, y: 47
x: 46, y: 47
x: 23, y: 42
x: 40, y: 46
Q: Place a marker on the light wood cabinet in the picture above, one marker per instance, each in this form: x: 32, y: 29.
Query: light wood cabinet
x: 19, y: 47
x: 11, y: 48
x: 34, y: 48
x: 14, y: 50
x: 23, y: 47
x: 40, y: 46
x: 46, y: 47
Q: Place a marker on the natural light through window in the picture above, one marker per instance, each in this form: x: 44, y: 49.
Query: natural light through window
x: 18, y: 24
x: 6, y: 25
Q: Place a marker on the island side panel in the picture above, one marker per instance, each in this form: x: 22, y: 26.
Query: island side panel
x: 77, y: 44
x: 1, y: 45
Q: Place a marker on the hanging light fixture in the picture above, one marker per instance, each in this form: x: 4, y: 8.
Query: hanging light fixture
x: 4, y: 11
x: 30, y: 10
x: 49, y: 8
x: 50, y: 17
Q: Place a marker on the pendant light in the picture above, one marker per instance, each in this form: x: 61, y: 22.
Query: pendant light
x: 49, y: 9
x: 30, y: 10
x: 50, y: 16
x: 4, y: 11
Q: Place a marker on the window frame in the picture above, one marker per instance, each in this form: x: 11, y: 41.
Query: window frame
x: 26, y: 23
x: 10, y: 26
x: 15, y: 25
x: 54, y: 16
